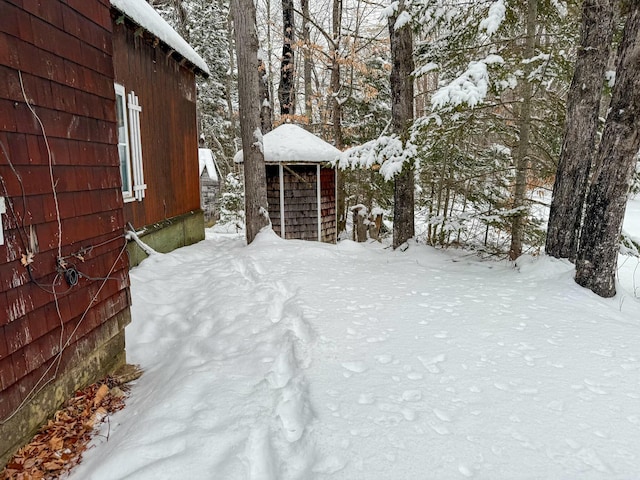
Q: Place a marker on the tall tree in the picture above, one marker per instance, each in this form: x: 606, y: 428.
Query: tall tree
x: 246, y: 36
x: 401, y: 80
x: 336, y: 105
x: 286, y: 92
x: 228, y: 84
x: 306, y: 40
x: 600, y: 236
x: 583, y: 108
x: 522, y: 151
x: 266, y: 113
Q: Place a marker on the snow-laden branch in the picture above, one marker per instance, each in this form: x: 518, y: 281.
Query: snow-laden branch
x: 389, y: 11
x: 388, y: 152
x: 471, y: 87
x: 403, y: 19
x: 494, y: 19
x: 424, y: 69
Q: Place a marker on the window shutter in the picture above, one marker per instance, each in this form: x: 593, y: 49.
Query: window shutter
x: 134, y: 108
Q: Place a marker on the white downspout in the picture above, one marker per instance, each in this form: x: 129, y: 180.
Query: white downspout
x: 319, y: 205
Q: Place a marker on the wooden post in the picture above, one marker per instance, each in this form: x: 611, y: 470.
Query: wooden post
x: 319, y: 192
x: 282, y: 219
x: 375, y: 224
x: 359, y: 226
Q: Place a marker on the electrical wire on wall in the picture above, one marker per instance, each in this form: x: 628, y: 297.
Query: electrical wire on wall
x: 53, y: 182
x: 39, y: 386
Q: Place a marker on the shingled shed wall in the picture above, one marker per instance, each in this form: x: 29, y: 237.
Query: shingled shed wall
x: 301, y: 202
x: 300, y: 186
x: 328, y: 205
x: 63, y: 50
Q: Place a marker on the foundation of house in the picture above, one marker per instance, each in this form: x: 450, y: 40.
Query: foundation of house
x: 93, y: 357
x: 168, y: 235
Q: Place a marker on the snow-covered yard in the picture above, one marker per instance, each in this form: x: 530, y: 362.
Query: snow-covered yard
x: 297, y: 360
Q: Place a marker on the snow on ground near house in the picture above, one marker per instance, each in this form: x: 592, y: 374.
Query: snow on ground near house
x: 297, y: 360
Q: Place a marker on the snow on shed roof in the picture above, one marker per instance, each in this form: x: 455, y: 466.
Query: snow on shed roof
x: 143, y: 14
x: 206, y: 160
x: 291, y: 143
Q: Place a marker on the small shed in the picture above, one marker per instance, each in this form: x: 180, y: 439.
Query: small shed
x: 209, y: 185
x: 301, y: 184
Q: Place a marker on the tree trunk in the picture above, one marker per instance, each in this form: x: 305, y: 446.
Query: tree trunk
x: 228, y: 78
x: 269, y: 71
x: 306, y: 39
x: 336, y: 107
x: 285, y: 91
x: 266, y: 120
x: 600, y: 236
x: 401, y: 118
x: 522, y: 152
x: 583, y: 108
x: 334, y: 84
x: 255, y: 183
x: 181, y: 17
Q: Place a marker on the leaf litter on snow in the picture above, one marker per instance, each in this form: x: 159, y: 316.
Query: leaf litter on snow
x: 59, y: 444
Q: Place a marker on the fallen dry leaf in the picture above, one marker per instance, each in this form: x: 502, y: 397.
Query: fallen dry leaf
x: 59, y: 444
x: 100, y: 394
x: 52, y: 465
x: 56, y: 443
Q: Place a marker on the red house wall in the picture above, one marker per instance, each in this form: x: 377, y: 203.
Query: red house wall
x: 64, y: 51
x: 168, y: 129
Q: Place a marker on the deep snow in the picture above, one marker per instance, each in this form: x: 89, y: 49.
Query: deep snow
x: 297, y: 360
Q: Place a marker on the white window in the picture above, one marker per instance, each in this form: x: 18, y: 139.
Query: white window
x: 129, y: 145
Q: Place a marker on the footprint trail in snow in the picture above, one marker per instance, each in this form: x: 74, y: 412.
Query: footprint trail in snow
x: 296, y: 360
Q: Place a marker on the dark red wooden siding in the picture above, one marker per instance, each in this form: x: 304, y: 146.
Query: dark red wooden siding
x: 64, y: 51
x: 167, y: 95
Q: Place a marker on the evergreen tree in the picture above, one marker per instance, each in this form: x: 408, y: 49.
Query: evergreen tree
x: 485, y: 84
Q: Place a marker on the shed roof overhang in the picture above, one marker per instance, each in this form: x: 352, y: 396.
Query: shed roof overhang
x: 292, y: 144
